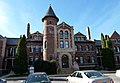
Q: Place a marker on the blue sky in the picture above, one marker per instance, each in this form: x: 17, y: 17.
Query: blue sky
x: 102, y: 16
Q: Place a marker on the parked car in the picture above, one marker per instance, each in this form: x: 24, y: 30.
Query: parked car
x: 118, y: 73
x: 90, y: 76
x: 40, y: 77
x: 3, y: 81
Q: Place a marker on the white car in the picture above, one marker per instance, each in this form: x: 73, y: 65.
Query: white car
x: 90, y: 76
x: 118, y: 73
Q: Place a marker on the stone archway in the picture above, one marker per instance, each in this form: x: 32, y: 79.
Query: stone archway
x: 65, y: 61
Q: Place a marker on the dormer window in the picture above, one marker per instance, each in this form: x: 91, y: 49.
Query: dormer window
x: 35, y: 37
x: 83, y: 39
x: 61, y: 34
x: 66, y: 34
x: 39, y: 38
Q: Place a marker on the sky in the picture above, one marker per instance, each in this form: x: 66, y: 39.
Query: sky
x: 102, y: 16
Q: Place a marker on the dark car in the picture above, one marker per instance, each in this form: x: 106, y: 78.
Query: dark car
x: 40, y: 77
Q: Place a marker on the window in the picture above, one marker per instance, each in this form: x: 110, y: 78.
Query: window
x: 66, y: 34
x: 61, y: 34
x: 115, y: 49
x: 37, y: 49
x: 93, y: 59
x: 118, y: 48
x: 79, y: 75
x: 30, y: 60
x: 46, y: 43
x: 87, y: 48
x: 36, y: 57
x: 91, y: 47
x: 88, y: 59
x: 83, y: 39
x: 61, y: 44
x: 35, y: 37
x: 66, y: 44
x: 78, y: 38
x: 39, y: 38
x: 31, y: 48
x: 10, y: 52
x: 80, y: 48
x: 75, y: 38
x: 41, y: 48
x: 81, y: 59
x: 117, y: 59
x: 76, y: 48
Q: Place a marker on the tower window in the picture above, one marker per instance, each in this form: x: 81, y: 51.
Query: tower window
x: 50, y: 22
x: 46, y: 43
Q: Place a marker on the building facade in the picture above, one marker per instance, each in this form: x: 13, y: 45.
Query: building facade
x: 58, y: 42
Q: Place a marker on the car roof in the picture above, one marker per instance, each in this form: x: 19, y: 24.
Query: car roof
x: 87, y: 71
x: 39, y: 73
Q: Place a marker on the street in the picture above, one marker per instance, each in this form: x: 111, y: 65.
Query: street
x: 61, y: 79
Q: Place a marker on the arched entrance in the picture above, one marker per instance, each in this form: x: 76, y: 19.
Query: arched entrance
x: 65, y: 61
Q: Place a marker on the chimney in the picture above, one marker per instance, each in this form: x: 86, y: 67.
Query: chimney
x: 88, y: 33
x: 28, y: 30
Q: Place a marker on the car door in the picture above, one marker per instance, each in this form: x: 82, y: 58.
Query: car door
x: 78, y: 78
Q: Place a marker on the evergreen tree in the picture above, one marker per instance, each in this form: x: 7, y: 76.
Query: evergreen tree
x: 107, y: 53
x: 21, y: 64
x: 103, y: 41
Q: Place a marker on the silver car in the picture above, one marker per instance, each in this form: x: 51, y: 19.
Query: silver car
x: 90, y: 76
x: 40, y: 77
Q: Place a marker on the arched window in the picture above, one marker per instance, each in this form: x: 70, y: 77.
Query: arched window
x: 65, y: 61
x: 61, y: 34
x: 91, y: 47
x: 66, y: 44
x: 46, y: 44
x: 66, y: 34
x: 81, y: 59
x: 10, y: 51
x: 37, y: 48
x: 93, y: 59
x: 39, y: 38
x: 87, y: 48
x: 61, y: 44
x: 80, y: 48
x: 35, y: 37
x: 115, y: 49
x: 31, y: 48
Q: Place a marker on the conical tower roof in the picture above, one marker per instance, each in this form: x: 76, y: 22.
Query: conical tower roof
x: 50, y: 13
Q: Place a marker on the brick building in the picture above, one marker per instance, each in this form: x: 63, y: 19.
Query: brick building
x: 58, y: 42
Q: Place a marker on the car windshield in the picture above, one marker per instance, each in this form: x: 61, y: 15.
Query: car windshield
x: 38, y: 78
x: 93, y: 74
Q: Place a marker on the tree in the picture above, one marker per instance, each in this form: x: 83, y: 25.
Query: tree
x: 103, y: 41
x: 21, y: 63
x: 108, y: 60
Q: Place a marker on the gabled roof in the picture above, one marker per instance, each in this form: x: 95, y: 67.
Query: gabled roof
x: 79, y: 34
x: 63, y: 23
x: 37, y: 32
x: 115, y: 35
x: 1, y: 37
x: 12, y: 41
x: 50, y: 13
